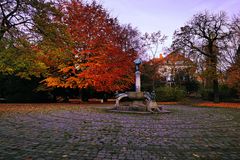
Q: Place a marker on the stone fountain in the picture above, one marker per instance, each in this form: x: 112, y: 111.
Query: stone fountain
x: 138, y: 100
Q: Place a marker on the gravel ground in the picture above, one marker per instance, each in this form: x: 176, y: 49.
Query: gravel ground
x: 91, y: 132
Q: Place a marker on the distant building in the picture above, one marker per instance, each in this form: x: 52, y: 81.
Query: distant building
x: 175, y: 67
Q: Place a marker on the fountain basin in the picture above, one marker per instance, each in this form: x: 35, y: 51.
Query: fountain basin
x: 136, y: 95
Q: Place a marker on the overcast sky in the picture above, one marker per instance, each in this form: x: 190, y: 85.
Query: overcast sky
x: 164, y: 15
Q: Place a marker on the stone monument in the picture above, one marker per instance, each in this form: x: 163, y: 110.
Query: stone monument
x: 137, y: 75
x: 138, y: 100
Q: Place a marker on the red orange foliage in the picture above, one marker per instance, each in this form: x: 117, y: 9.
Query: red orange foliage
x: 233, y: 77
x: 222, y: 104
x: 99, y: 53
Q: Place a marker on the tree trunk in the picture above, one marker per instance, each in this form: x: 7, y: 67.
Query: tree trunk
x: 153, y: 84
x: 105, y: 97
x: 215, y: 83
x: 84, y: 95
x: 1, y: 34
x: 210, y: 72
x: 216, y: 90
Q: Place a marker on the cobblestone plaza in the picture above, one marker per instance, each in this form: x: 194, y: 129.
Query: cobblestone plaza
x: 91, y: 132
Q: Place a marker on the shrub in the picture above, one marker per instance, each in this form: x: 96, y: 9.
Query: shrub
x: 225, y: 94
x: 15, y: 89
x: 170, y: 93
x: 207, y: 94
x: 192, y: 86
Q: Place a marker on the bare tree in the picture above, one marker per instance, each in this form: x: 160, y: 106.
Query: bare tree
x: 235, y: 27
x: 19, y: 17
x: 230, y: 45
x: 233, y: 72
x: 13, y: 16
x: 152, y: 42
x: 202, y: 36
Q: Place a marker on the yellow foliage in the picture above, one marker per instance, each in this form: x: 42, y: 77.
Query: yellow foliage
x: 53, y: 82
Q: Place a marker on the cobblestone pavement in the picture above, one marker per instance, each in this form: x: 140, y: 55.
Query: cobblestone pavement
x: 186, y: 133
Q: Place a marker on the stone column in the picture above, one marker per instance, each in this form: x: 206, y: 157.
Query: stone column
x: 138, y: 81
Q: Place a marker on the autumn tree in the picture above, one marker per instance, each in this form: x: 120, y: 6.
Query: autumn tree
x: 151, y: 44
x: 24, y: 27
x: 20, y: 23
x: 202, y: 36
x: 99, y: 53
x: 13, y: 16
x: 150, y: 74
x: 233, y: 72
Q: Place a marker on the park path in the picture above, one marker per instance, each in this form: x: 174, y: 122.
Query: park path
x: 93, y: 133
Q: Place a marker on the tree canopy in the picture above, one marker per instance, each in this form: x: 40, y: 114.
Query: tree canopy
x: 20, y: 21
x: 78, y: 44
x: 203, y: 36
x: 100, y: 51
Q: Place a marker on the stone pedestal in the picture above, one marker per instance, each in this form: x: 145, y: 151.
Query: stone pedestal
x: 138, y: 81
x: 136, y: 101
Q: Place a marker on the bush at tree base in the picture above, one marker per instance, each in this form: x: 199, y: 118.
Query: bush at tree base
x: 15, y: 89
x: 170, y: 93
x: 226, y: 94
